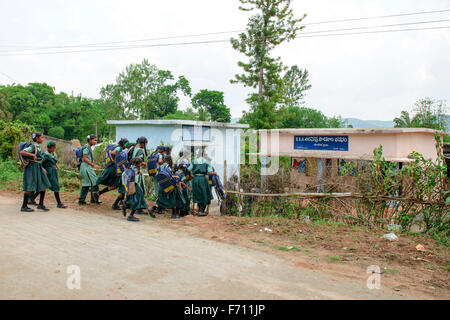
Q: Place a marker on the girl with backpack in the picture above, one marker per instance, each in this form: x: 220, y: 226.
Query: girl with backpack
x: 161, y: 152
x: 174, y: 199
x: 34, y: 177
x: 135, y: 199
x: 139, y: 151
x: 186, y: 190
x: 50, y: 164
x: 88, y: 175
x: 109, y: 177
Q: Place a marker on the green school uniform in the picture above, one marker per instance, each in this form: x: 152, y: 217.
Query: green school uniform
x: 136, y: 201
x: 200, y: 186
x: 49, y: 164
x: 88, y: 176
x: 108, y: 177
x: 185, y: 192
x: 34, y: 177
x: 139, y: 153
x: 171, y: 200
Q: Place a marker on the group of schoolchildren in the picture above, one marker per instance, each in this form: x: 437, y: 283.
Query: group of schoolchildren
x: 174, y: 183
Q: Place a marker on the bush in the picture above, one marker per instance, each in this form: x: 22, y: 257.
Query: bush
x: 11, y: 134
x: 10, y: 175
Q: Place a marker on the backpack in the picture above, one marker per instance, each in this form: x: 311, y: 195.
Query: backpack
x: 188, y: 175
x: 218, y: 187
x: 166, y: 181
x: 79, y: 156
x: 24, y: 161
x: 122, y: 163
x: 211, y: 181
x: 129, y: 181
x: 152, y: 165
x: 108, y: 161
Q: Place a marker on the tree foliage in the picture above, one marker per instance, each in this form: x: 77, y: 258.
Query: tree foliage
x: 4, y: 107
x: 302, y: 117
x: 427, y: 113
x: 295, y: 83
x: 272, y: 25
x: 57, y: 115
x: 143, y: 91
x: 210, y: 105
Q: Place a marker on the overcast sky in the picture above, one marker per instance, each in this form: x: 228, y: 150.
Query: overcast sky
x: 370, y: 76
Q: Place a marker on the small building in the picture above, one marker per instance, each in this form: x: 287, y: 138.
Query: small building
x: 220, y: 140
x: 317, y: 154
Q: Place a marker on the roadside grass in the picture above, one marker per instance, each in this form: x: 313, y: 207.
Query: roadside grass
x: 391, y: 271
x: 285, y: 248
x: 333, y: 259
x: 11, y: 177
x: 10, y: 174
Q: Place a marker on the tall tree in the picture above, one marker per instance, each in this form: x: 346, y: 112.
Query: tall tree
x: 272, y: 25
x: 212, y: 103
x: 143, y: 91
x: 295, y: 83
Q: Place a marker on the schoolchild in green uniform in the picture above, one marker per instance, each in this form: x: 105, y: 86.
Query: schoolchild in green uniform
x: 186, y: 189
x: 136, y: 201
x: 35, y: 178
x: 140, y: 151
x: 162, y: 151
x: 109, y: 176
x: 158, y: 153
x: 88, y: 176
x: 174, y: 200
x: 200, y: 186
x: 50, y: 164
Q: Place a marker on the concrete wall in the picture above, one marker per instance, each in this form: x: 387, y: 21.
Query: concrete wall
x: 64, y: 149
x: 396, y: 145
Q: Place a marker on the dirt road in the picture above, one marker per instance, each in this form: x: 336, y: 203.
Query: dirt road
x: 124, y: 260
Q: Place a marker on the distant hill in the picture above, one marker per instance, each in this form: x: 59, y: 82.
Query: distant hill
x: 363, y: 124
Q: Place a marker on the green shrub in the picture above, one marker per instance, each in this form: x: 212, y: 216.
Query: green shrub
x: 10, y: 175
x: 11, y: 134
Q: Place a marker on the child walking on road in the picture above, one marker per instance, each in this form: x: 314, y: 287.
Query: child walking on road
x: 35, y: 178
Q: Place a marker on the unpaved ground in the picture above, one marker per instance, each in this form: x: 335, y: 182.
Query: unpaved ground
x: 148, y: 260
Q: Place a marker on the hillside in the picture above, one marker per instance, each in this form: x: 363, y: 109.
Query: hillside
x: 358, y: 123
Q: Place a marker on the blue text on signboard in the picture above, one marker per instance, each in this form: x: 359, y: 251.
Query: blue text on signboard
x: 330, y: 143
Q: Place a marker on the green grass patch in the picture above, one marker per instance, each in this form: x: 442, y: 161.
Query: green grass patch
x: 10, y: 174
x: 333, y: 259
x: 329, y: 223
x: 284, y: 248
x: 391, y: 271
